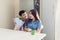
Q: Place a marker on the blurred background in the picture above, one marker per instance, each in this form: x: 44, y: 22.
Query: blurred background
x: 48, y: 10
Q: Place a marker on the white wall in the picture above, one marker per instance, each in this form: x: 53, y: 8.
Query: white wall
x: 16, y: 7
x: 57, y: 21
x: 6, y: 13
x: 48, y: 19
x: 26, y: 5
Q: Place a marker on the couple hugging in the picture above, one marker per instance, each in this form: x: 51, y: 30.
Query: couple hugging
x: 25, y: 22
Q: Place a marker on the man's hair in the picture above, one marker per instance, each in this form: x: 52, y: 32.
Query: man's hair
x: 21, y: 12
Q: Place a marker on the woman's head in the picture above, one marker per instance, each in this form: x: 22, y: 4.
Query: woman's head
x: 33, y: 15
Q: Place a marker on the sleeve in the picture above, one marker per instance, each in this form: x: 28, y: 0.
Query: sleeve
x: 38, y: 25
x: 25, y: 24
x: 18, y: 23
x: 41, y: 25
x: 15, y: 23
x: 15, y: 20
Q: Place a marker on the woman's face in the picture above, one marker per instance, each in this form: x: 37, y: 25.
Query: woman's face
x: 31, y: 16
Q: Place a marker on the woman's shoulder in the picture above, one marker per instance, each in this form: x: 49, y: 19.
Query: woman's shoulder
x: 37, y: 21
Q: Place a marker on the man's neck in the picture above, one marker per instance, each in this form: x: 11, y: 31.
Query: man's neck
x: 21, y: 18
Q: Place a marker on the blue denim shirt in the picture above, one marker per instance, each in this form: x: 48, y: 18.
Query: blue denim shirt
x: 33, y: 25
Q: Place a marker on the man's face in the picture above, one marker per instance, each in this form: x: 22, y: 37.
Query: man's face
x: 24, y: 15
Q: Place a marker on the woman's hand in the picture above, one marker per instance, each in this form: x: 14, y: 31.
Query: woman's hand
x: 38, y: 31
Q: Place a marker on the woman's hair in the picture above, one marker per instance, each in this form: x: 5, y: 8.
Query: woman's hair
x: 34, y: 13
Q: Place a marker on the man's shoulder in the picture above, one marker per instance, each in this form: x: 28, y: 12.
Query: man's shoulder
x: 17, y: 19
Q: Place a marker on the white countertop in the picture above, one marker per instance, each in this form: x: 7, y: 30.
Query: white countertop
x: 6, y: 34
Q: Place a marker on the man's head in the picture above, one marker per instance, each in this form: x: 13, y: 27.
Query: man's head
x: 23, y: 14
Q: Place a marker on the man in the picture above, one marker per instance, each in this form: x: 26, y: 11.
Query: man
x: 19, y: 21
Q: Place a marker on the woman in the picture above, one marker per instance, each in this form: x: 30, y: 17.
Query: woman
x: 33, y: 22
